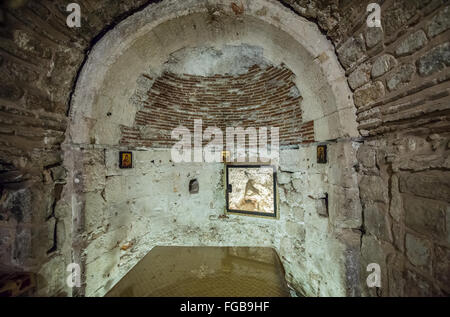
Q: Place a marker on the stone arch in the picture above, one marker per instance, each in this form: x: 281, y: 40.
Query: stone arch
x: 108, y: 80
x: 305, y: 50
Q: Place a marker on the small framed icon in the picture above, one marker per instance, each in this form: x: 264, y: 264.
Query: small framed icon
x: 321, y: 154
x: 226, y: 156
x: 125, y: 159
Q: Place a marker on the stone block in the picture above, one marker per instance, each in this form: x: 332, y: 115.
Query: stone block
x: 411, y: 43
x: 283, y: 178
x: 6, y: 241
x: 291, y: 161
x: 418, y: 251
x: 448, y: 224
x: 297, y: 213
x: 434, y: 60
x: 49, y: 234
x: 94, y: 170
x: 18, y: 204
x: 295, y: 230
x: 425, y: 215
x: 396, y: 206
x: 59, y: 174
x: 59, y: 82
x: 60, y: 234
x: 397, y: 15
x: 374, y: 251
x: 95, y: 206
x: 30, y: 43
x: 52, y: 276
x: 366, y: 156
x: 343, y: 174
x: 417, y: 285
x: 396, y: 281
x: 299, y: 185
x: 345, y: 207
x: 22, y: 250
x: 398, y: 233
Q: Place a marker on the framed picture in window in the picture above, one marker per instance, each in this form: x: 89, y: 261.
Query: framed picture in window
x: 251, y: 190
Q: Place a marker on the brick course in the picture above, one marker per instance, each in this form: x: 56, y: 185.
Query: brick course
x: 262, y: 97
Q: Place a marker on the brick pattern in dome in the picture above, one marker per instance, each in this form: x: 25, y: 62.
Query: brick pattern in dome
x: 262, y: 97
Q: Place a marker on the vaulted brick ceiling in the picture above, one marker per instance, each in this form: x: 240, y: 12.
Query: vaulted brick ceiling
x: 262, y: 97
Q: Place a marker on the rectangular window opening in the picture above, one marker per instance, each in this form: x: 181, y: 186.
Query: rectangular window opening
x: 251, y: 190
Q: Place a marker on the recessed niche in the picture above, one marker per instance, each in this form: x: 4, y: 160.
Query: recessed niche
x: 193, y: 186
x: 251, y: 190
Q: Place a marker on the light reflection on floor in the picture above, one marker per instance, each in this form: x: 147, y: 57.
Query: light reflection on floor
x: 205, y: 272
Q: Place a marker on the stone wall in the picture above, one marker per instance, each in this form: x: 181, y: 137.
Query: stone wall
x: 116, y: 95
x: 319, y: 239
x: 404, y: 183
x: 39, y: 61
x: 399, y: 76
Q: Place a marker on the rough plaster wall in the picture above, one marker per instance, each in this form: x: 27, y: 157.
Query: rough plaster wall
x: 261, y: 97
x: 128, y: 212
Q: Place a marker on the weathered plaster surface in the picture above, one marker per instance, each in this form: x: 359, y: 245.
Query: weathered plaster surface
x: 128, y: 212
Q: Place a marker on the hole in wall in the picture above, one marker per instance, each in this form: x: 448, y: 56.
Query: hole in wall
x: 193, y: 186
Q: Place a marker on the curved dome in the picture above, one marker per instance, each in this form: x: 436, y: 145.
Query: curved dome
x: 151, y: 37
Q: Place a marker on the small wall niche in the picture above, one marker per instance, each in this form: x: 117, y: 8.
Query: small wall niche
x: 193, y: 186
